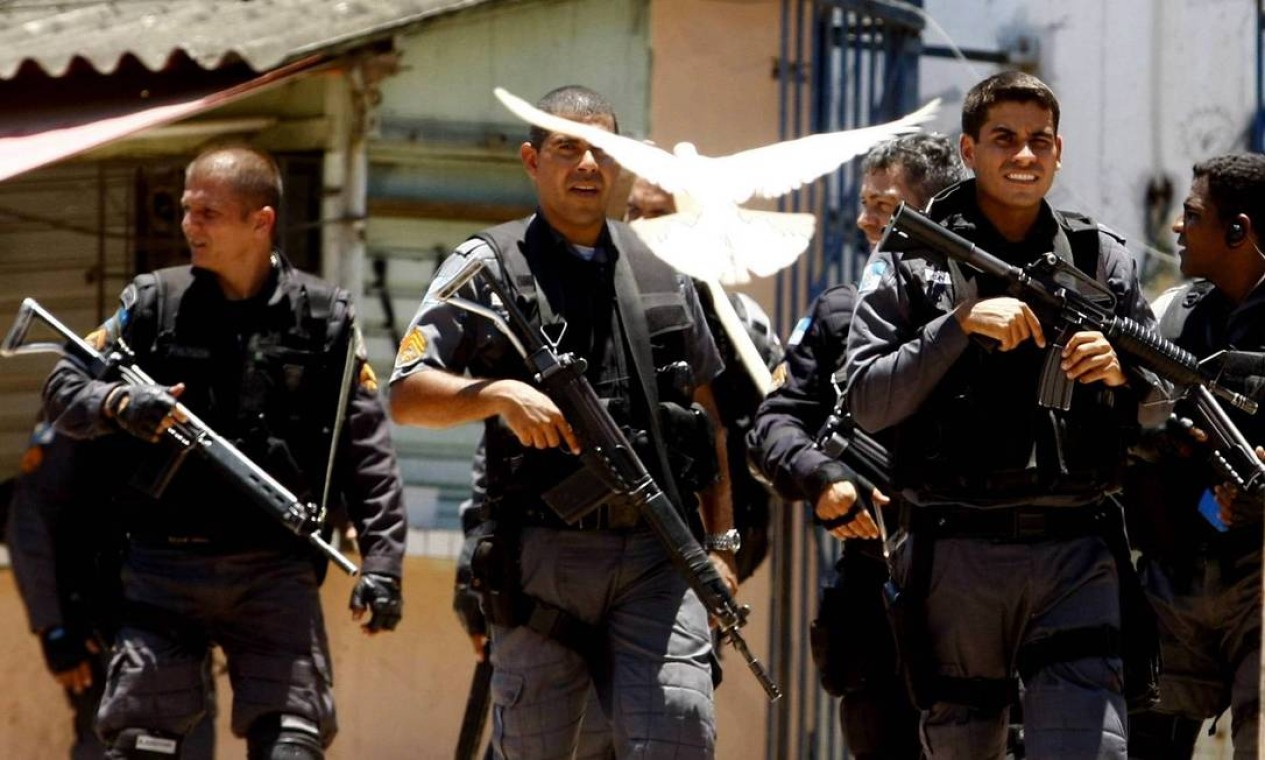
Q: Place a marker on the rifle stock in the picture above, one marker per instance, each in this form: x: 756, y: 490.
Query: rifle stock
x: 610, y: 457
x: 191, y: 436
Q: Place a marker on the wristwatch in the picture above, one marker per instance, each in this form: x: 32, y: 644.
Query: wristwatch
x: 729, y: 541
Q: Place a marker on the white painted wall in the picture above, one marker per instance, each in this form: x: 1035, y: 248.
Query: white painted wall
x: 1147, y: 87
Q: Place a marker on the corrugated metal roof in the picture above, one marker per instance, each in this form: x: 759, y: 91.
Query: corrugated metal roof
x: 263, y: 33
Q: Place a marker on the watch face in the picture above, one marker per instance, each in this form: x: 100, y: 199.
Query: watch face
x: 729, y: 541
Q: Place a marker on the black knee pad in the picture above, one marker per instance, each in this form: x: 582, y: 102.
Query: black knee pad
x: 284, y: 737
x: 144, y: 744
x: 1158, y: 736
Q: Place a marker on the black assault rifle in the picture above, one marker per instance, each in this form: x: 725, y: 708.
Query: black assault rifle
x: 1055, y: 287
x: 609, y: 456
x: 191, y: 436
x: 842, y: 439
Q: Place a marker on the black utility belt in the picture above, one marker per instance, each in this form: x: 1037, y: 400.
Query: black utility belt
x: 1007, y: 524
x: 619, y: 513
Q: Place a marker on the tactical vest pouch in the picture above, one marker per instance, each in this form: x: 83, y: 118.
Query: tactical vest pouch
x: 158, y: 466
x: 494, y: 576
x: 851, y: 642
x: 691, y: 445
x: 578, y: 495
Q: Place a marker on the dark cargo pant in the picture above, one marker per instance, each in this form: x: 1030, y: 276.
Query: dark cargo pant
x: 1209, y: 614
x: 853, y: 649
x: 986, y: 600
x: 261, y: 608
x: 653, y: 678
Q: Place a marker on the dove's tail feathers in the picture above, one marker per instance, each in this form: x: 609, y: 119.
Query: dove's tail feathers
x: 770, y: 241
x: 706, y: 248
x: 676, y: 240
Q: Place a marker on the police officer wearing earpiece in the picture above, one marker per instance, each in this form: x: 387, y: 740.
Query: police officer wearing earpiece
x: 596, y: 602
x: 258, y: 351
x: 1201, y: 561
x: 1007, y: 568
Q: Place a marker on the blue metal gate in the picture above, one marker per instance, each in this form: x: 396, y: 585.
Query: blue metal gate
x: 843, y: 64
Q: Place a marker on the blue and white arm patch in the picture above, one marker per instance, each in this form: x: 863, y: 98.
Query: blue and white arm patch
x: 874, y: 272
x: 801, y: 327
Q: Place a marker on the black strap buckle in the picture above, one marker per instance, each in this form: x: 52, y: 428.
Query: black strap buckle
x: 1031, y: 525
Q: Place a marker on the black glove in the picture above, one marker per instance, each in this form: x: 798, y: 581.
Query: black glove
x: 64, y: 649
x: 380, y: 594
x: 140, y: 409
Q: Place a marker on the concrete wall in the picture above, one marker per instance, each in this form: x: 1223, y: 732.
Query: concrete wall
x: 1146, y: 88
x: 712, y: 83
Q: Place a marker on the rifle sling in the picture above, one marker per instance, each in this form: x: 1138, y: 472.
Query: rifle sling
x: 636, y: 334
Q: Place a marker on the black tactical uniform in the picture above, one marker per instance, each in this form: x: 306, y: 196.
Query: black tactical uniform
x: 1008, y: 564
x: 645, y: 645
x: 1203, y: 581
x: 65, y: 551
x: 852, y: 642
x: 205, y: 565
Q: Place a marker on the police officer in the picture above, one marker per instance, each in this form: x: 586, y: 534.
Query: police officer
x: 1006, y: 565
x: 65, y: 552
x: 258, y: 351
x: 1201, y: 564
x: 644, y: 642
x: 858, y: 661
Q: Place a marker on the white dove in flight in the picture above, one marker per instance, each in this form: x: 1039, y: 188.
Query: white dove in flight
x: 711, y: 237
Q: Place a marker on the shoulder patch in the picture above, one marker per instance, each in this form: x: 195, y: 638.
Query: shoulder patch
x: 98, y: 339
x: 801, y: 327
x: 874, y: 272
x: 412, y: 348
x: 32, y: 458
x: 368, y: 379
x: 129, y: 296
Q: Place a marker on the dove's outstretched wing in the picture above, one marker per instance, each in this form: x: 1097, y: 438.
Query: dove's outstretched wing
x: 653, y: 163
x: 777, y: 169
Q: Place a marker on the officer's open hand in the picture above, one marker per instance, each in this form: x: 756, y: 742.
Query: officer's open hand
x: 839, y: 501
x: 145, y: 411
x: 1089, y: 358
x: 379, y: 595
x: 69, y: 657
x: 1006, y: 320
x: 533, y: 416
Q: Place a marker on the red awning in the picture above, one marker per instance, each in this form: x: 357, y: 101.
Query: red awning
x: 64, y: 136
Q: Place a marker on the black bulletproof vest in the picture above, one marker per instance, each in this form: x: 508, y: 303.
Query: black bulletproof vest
x: 264, y: 373
x: 981, y: 439
x: 533, y: 258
